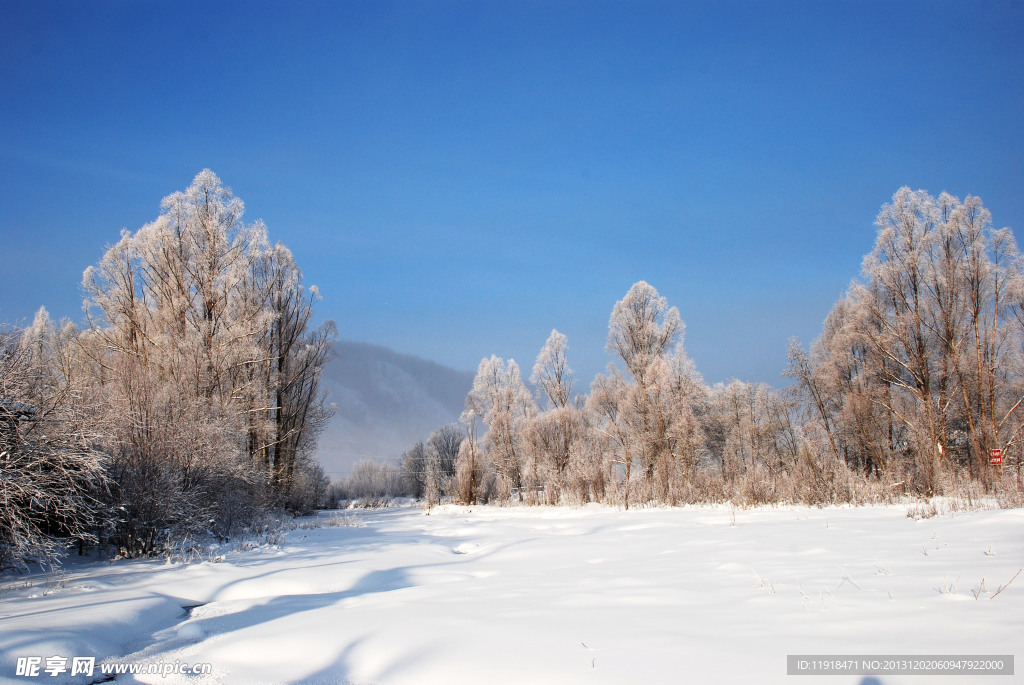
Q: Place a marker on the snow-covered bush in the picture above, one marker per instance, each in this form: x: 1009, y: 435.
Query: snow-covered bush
x: 52, y: 475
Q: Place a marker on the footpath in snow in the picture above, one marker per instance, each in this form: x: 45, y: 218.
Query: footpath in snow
x: 543, y: 595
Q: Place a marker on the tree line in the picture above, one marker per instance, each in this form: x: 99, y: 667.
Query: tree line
x: 188, y: 404
x: 917, y: 375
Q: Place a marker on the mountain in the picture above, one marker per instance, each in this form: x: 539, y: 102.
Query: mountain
x: 386, y: 402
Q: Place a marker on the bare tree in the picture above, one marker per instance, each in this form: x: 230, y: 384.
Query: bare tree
x: 413, y: 466
x: 298, y: 353
x: 441, y: 454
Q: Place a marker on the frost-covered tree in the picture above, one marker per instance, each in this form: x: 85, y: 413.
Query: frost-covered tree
x: 52, y: 470
x: 642, y: 329
x: 611, y: 406
x: 201, y: 333
x: 678, y: 399
x: 645, y: 333
x: 469, y: 465
x: 900, y: 330
x: 754, y: 428
x: 506, y: 405
x: 551, y: 434
x: 176, y: 294
x: 914, y: 374
x: 842, y: 386
x: 989, y: 382
x: 551, y: 372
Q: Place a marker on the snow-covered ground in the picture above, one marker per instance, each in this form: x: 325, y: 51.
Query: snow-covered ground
x: 546, y: 595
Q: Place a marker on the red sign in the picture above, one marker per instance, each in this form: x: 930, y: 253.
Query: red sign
x: 995, y: 457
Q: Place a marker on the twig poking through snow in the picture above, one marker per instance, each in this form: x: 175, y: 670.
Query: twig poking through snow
x: 1007, y: 585
x: 845, y: 578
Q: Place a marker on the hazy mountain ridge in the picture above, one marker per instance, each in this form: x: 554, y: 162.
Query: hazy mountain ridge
x: 386, y: 401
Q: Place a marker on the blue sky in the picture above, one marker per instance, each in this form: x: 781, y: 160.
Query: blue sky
x: 460, y: 177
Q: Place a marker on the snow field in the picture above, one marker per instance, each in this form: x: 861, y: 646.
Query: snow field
x: 549, y: 595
